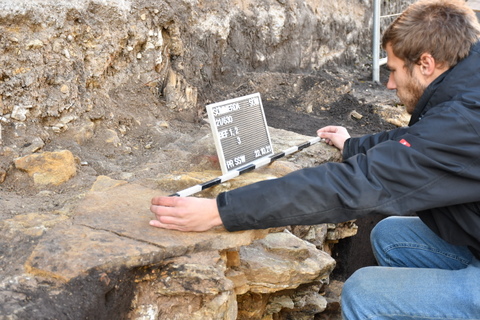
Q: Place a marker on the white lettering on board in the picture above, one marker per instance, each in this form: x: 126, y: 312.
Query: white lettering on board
x: 223, y: 134
x: 224, y: 121
x: 236, y: 161
x: 220, y: 110
x: 262, y: 151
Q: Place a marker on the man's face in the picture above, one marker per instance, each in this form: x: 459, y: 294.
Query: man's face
x: 408, y: 86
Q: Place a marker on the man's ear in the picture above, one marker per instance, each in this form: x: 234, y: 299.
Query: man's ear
x: 427, y: 64
x: 430, y: 68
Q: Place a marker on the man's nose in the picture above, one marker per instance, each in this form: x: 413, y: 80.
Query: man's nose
x: 391, y: 83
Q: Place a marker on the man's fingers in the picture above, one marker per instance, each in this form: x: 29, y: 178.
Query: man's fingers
x: 326, y: 129
x: 331, y: 129
x: 325, y: 135
x: 164, y: 201
x: 168, y: 212
x: 164, y: 211
x: 158, y: 224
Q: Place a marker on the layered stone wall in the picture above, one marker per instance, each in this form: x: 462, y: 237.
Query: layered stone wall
x: 61, y: 59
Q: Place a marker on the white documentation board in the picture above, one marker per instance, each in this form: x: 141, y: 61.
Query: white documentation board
x: 240, y: 131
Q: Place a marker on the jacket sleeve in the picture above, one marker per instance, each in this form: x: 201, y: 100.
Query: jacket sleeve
x: 435, y: 162
x: 362, y: 144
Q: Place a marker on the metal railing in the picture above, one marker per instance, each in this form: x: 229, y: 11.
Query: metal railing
x: 384, y: 13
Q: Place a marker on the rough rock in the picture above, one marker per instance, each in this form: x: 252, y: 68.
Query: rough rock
x: 193, y: 287
x: 111, y: 230
x: 48, y: 167
x: 267, y: 269
x: 393, y: 116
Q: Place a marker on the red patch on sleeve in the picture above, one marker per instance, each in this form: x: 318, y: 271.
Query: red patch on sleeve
x: 405, y: 142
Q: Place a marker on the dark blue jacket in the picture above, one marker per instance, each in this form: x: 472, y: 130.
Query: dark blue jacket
x: 431, y: 168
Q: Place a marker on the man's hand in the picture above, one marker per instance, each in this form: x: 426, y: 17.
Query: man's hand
x: 334, y: 136
x: 185, y: 214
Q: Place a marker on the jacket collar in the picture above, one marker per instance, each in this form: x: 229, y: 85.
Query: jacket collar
x: 425, y: 101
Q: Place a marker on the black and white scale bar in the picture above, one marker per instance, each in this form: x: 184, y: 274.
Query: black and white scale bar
x: 252, y: 166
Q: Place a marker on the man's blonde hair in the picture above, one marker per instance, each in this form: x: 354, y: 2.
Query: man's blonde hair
x: 446, y: 29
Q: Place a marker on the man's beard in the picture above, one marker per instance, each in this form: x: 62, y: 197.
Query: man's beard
x: 411, y: 94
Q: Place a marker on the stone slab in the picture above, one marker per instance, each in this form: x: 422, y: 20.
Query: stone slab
x: 69, y: 252
x: 110, y: 230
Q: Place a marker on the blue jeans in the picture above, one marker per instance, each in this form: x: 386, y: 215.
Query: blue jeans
x: 420, y: 277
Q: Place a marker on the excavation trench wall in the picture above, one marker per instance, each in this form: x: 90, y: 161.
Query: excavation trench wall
x: 102, y: 107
